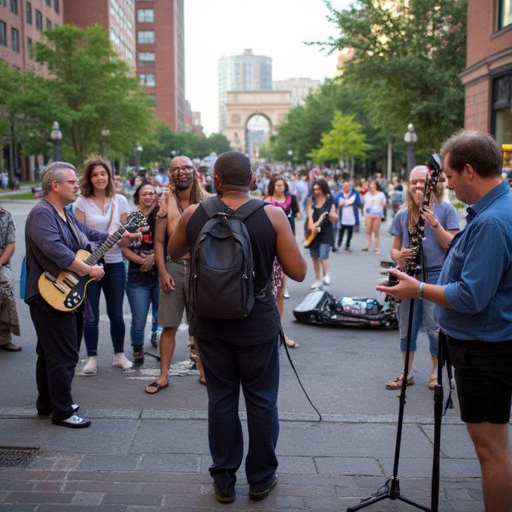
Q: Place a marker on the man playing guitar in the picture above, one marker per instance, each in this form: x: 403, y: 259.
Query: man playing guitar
x: 53, y: 237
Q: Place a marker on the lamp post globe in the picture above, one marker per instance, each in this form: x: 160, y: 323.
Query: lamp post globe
x: 105, y: 133
x: 410, y: 138
x: 138, y: 151
x: 56, y: 137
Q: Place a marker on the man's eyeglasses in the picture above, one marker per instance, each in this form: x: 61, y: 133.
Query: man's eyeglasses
x: 181, y: 168
x: 71, y: 182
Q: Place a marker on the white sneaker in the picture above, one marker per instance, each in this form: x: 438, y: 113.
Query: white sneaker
x: 121, y: 361
x: 286, y: 294
x: 316, y: 284
x: 89, y: 369
x: 327, y: 279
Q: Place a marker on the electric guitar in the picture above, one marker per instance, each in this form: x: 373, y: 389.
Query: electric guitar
x: 316, y: 229
x: 67, y: 291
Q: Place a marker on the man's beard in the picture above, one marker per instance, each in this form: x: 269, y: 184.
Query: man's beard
x: 182, y: 184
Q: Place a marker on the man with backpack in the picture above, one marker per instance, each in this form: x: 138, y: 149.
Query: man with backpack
x: 240, y: 348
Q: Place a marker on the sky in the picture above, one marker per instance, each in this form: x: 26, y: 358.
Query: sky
x: 273, y: 28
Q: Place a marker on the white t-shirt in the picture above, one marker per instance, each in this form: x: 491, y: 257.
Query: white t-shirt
x: 348, y: 216
x: 96, y: 219
x: 374, y: 204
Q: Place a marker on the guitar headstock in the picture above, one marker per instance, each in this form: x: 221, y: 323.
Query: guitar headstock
x: 135, y: 221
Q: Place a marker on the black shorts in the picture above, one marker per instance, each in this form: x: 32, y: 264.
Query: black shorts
x: 483, y: 373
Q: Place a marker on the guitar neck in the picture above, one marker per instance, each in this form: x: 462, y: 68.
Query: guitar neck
x: 100, y: 251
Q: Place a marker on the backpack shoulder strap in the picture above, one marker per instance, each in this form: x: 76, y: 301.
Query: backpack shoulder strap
x: 248, y: 208
x: 211, y: 206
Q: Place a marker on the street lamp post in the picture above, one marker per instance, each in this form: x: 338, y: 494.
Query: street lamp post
x: 138, y: 151
x: 410, y: 138
x: 56, y: 137
x: 290, y: 156
x: 105, y: 133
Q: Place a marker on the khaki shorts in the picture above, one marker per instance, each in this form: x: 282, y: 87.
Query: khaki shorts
x: 174, y: 304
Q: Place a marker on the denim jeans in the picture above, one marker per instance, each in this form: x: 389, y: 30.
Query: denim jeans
x: 113, y: 285
x: 140, y: 297
x: 423, y: 315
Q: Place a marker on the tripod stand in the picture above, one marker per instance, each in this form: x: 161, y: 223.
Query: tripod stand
x: 442, y: 358
x: 391, y: 488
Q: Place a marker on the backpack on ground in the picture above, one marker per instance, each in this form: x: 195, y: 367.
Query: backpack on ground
x: 222, y: 267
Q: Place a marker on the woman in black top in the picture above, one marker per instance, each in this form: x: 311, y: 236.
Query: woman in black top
x: 321, y: 210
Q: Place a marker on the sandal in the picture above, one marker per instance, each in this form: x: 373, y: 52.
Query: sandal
x: 432, y: 383
x: 10, y: 347
x: 396, y: 383
x: 291, y: 344
x: 155, y: 387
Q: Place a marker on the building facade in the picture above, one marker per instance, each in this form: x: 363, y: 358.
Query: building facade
x: 149, y: 36
x: 117, y: 16
x: 487, y: 78
x: 246, y: 72
x: 298, y: 87
x: 160, y: 58
x: 22, y: 24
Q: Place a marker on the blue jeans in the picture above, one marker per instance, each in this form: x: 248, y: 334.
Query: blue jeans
x: 112, y: 284
x: 140, y: 297
x: 423, y: 315
x: 254, y: 368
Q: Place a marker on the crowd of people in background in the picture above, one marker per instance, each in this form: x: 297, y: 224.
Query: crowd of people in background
x: 326, y: 203
x: 319, y: 208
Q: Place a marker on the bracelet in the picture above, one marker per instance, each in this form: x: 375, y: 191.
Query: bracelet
x: 435, y: 226
x: 420, y: 290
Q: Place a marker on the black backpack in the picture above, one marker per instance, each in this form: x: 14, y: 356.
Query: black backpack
x: 222, y: 268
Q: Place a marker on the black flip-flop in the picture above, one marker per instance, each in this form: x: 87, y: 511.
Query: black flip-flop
x: 10, y: 347
x: 157, y: 386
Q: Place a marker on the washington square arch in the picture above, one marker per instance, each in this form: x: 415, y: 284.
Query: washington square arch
x: 244, y: 108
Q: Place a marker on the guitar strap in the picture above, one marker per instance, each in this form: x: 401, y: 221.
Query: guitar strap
x: 112, y: 208
x: 73, y: 229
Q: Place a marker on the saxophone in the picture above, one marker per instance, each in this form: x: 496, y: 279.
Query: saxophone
x: 417, y: 235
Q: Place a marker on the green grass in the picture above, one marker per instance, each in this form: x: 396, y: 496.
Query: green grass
x: 12, y: 197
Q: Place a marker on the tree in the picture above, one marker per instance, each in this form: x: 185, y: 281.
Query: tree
x: 163, y: 143
x: 344, y: 141
x: 89, y: 88
x: 408, y: 55
x: 303, y: 129
x: 24, y: 120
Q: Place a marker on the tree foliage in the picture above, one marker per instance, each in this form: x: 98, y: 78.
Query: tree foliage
x: 24, y: 107
x: 344, y: 141
x: 89, y: 88
x: 164, y: 143
x: 408, y: 55
x: 303, y: 129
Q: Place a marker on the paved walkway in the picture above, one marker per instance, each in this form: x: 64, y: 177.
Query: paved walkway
x: 150, y: 461
x: 150, y: 454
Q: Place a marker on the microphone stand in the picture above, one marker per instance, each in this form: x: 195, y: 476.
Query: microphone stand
x: 391, y: 488
x: 442, y: 358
